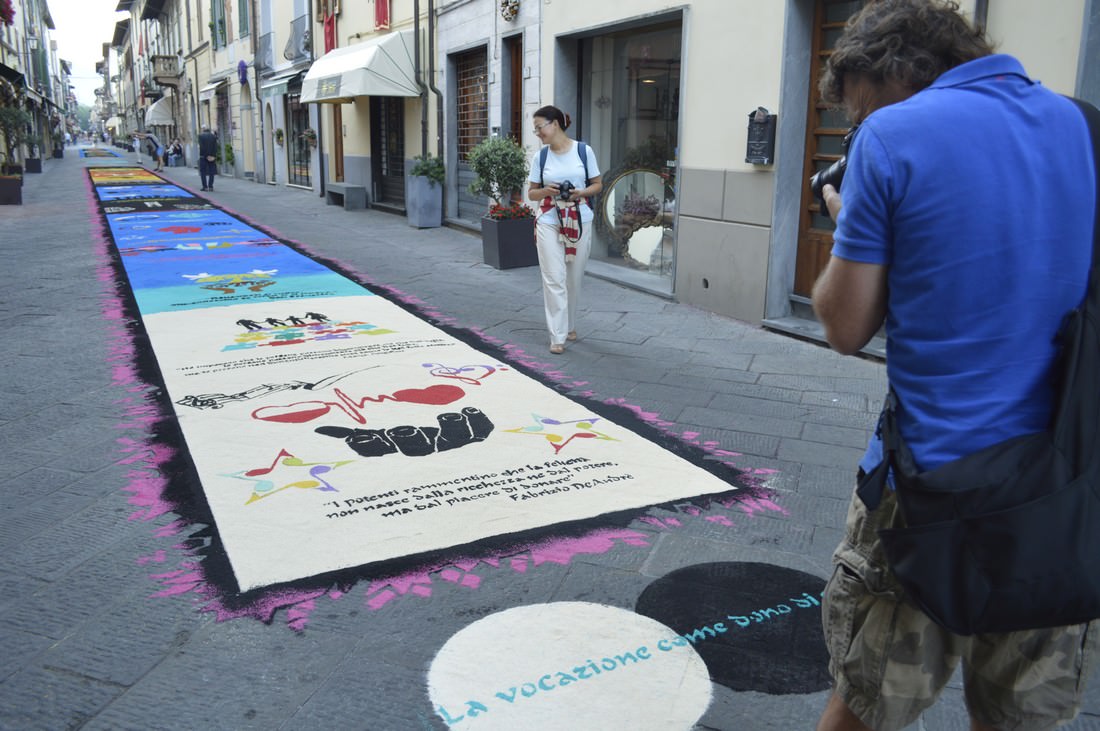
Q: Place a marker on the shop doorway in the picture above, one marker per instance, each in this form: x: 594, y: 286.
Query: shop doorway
x: 221, y: 100
x: 299, y: 145
x: 471, y: 124
x: 269, y: 144
x: 387, y: 144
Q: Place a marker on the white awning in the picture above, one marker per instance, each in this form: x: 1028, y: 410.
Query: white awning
x: 207, y: 92
x: 160, y: 112
x: 113, y: 123
x: 279, y: 83
x: 382, y: 66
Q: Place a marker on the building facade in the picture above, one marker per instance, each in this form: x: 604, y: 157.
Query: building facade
x: 32, y: 79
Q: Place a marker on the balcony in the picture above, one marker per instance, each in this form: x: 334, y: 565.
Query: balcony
x: 151, y: 90
x: 298, y: 47
x: 265, y: 53
x: 166, y: 70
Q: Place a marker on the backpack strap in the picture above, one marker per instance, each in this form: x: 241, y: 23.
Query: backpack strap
x: 582, y: 150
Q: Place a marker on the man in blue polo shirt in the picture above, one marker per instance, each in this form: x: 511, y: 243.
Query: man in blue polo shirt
x: 965, y: 225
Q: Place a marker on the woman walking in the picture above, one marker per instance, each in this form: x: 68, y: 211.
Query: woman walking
x: 564, y: 175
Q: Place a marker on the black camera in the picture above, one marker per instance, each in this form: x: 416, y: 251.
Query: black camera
x: 832, y: 175
x: 564, y: 189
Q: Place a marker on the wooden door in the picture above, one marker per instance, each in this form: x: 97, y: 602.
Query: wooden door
x: 514, y: 103
x: 825, y: 130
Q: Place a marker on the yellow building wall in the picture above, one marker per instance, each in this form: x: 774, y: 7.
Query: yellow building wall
x: 356, y: 25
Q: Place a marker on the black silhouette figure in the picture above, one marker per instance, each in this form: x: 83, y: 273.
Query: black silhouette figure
x: 250, y: 325
x: 316, y: 316
x: 295, y: 320
x: 455, y: 430
x: 275, y: 323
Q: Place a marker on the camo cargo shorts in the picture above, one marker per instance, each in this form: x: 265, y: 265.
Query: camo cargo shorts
x: 890, y: 662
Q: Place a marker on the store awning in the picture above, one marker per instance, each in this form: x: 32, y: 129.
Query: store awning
x: 207, y: 92
x: 15, y: 77
x: 160, y: 112
x: 382, y: 66
x: 279, y: 83
x: 113, y: 123
x: 35, y: 96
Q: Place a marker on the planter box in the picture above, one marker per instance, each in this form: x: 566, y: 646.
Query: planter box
x: 14, y: 170
x: 11, y: 192
x: 34, y: 164
x: 423, y: 202
x: 509, y: 243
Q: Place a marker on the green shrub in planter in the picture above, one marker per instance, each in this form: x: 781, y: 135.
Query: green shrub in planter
x: 429, y: 166
x: 424, y: 192
x: 500, y: 165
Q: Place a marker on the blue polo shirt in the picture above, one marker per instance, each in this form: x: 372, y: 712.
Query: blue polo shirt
x: 979, y: 195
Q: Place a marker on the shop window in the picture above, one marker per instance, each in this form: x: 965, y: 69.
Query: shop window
x: 631, y: 111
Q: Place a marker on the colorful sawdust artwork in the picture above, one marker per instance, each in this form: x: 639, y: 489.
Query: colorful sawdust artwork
x: 331, y: 427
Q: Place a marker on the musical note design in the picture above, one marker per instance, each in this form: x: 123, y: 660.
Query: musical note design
x: 285, y: 472
x: 583, y: 430
x: 471, y: 374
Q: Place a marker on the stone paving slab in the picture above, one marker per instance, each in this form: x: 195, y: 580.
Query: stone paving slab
x: 102, y: 629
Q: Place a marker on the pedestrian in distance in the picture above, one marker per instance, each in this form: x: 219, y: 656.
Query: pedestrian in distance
x: 175, y: 153
x: 208, y: 156
x: 564, y: 176
x: 964, y: 180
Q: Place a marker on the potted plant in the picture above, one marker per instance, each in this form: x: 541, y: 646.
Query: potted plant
x: 508, y: 229
x: 14, y: 123
x: 310, y: 136
x: 11, y: 185
x: 424, y: 194
x: 33, y: 163
x: 279, y: 136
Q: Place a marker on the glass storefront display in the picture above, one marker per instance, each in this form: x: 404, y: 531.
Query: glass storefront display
x: 630, y: 116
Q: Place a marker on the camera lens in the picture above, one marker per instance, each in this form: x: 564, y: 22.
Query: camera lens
x: 832, y: 175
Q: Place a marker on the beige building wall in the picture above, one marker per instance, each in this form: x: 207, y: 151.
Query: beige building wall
x: 1046, y: 37
x: 737, y: 223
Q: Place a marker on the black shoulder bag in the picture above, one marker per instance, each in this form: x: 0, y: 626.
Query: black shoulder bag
x: 1008, y: 538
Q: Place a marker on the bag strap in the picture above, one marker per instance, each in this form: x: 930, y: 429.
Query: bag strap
x: 1092, y: 119
x: 582, y: 150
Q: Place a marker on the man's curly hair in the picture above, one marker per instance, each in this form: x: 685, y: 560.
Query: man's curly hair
x: 909, y: 41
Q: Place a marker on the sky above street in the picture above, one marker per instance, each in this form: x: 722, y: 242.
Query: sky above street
x: 81, y: 29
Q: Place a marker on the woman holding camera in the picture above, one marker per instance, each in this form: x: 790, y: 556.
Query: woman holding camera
x: 564, y: 174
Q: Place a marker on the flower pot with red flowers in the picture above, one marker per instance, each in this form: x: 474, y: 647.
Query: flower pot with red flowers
x: 508, y: 228
x: 508, y: 236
